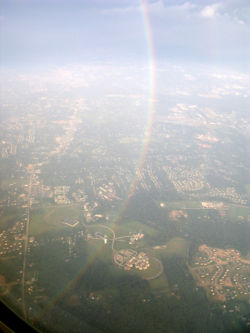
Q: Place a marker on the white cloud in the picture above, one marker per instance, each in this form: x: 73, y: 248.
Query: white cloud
x: 158, y: 7
x: 216, y: 96
x: 189, y: 77
x: 210, y: 11
x: 120, y: 10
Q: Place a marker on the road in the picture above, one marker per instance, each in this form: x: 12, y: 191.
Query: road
x: 158, y: 273
x: 104, y: 226
x: 121, y: 237
x: 113, y: 240
x: 26, y: 250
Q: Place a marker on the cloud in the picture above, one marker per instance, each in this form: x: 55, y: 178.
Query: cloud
x: 210, y: 11
x: 120, y: 10
x: 212, y: 31
x: 216, y: 96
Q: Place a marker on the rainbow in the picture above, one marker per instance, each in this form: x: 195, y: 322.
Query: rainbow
x: 140, y: 163
x: 151, y: 99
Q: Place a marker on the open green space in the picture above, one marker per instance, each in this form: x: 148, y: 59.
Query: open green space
x: 160, y: 284
x: 128, y: 140
x: 175, y: 246
x: 93, y: 228
x: 124, y: 229
x: 180, y: 204
x: 5, y: 183
x: 98, y: 250
x: 247, y: 257
x: 6, y: 220
x: 248, y: 189
x: 49, y: 219
x: 9, y: 216
x: 124, y: 244
x: 134, y: 227
x: 237, y: 213
x: 150, y: 273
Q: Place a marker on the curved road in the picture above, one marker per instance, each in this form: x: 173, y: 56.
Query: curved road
x: 104, y: 226
x: 158, y: 274
x: 113, y: 242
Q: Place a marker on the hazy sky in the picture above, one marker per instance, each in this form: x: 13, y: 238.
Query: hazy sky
x: 75, y: 31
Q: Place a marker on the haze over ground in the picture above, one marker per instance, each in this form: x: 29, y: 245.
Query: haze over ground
x: 124, y: 164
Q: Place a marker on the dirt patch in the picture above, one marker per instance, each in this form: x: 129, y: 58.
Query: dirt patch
x: 245, y: 261
x: 228, y: 282
x: 6, y: 287
x: 177, y: 214
x: 203, y: 247
x: 2, y: 279
x: 46, y: 217
x: 220, y: 298
x: 74, y: 300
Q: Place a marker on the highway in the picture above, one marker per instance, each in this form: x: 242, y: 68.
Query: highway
x: 26, y: 250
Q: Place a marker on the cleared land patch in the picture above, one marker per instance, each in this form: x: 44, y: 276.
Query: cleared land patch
x: 176, y: 246
x: 48, y: 219
x: 237, y: 213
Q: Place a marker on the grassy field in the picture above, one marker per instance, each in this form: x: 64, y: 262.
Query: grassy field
x: 153, y: 270
x: 176, y: 246
x: 128, y: 140
x: 49, y: 219
x: 180, y: 204
x: 248, y: 189
x: 159, y: 285
x: 247, y: 257
x: 97, y: 249
x: 238, y: 213
x: 125, y: 228
x: 8, y: 218
x: 5, y: 183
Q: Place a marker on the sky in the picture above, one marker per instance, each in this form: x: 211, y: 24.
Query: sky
x: 214, y: 33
